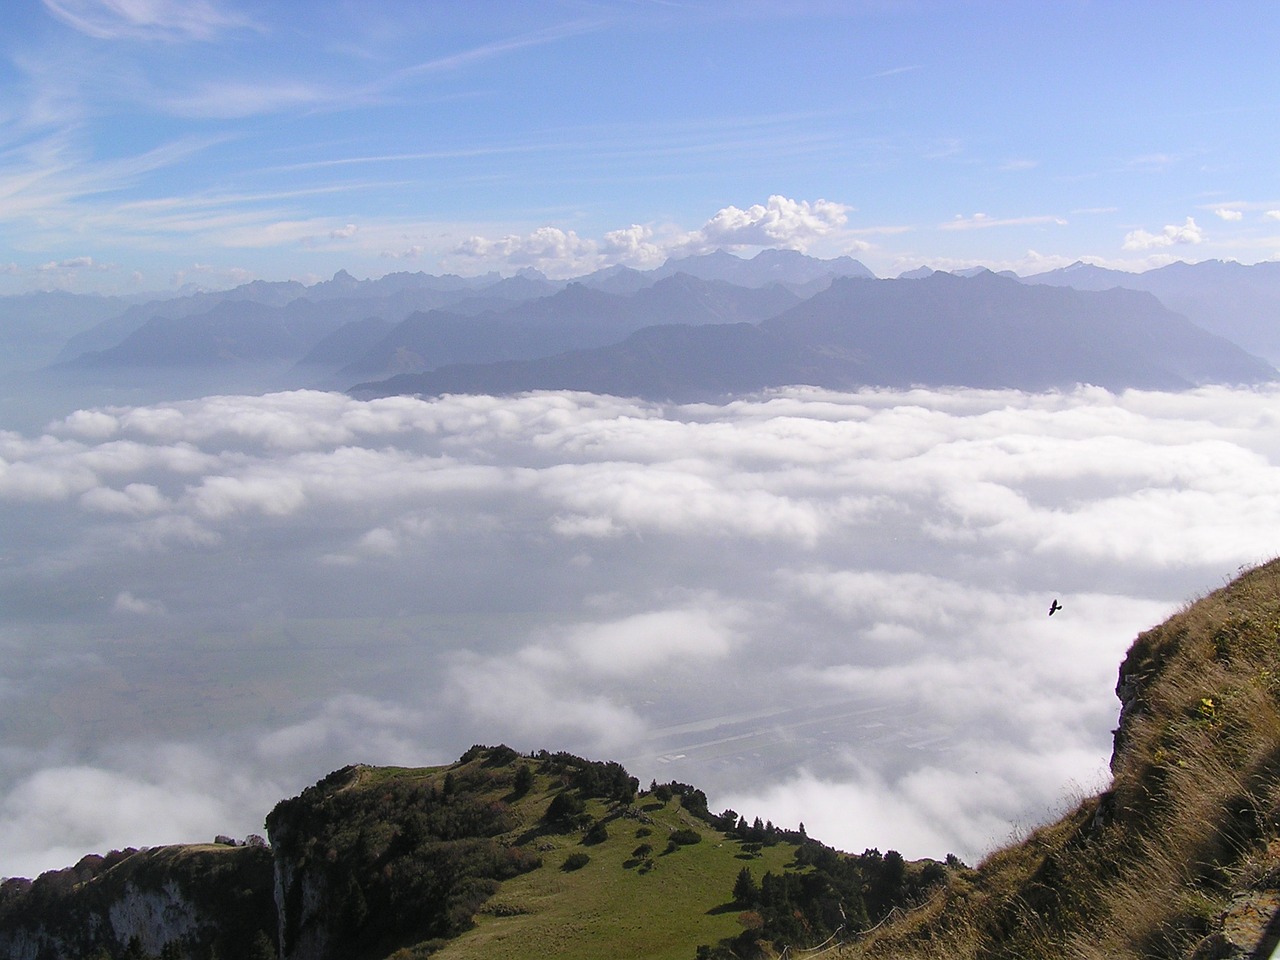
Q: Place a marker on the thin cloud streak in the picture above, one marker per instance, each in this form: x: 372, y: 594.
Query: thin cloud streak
x: 164, y: 20
x: 498, y: 48
x: 981, y: 221
x: 894, y: 72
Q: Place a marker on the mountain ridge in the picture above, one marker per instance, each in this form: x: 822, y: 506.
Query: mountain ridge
x: 462, y: 861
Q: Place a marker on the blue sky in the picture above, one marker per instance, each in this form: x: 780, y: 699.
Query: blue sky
x: 147, y: 144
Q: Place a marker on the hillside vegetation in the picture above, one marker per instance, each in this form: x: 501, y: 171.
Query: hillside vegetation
x: 508, y: 856
x: 499, y: 855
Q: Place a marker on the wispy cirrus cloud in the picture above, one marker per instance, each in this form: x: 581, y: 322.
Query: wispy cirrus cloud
x: 1150, y: 162
x: 44, y: 182
x: 228, y: 100
x: 166, y: 20
x: 50, y: 192
x: 498, y: 48
x: 228, y: 95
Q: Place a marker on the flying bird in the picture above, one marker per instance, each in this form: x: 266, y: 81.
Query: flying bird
x: 1054, y: 607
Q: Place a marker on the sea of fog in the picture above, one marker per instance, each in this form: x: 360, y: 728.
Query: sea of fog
x: 821, y: 608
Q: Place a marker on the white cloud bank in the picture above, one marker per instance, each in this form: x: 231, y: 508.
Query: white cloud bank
x: 818, y: 606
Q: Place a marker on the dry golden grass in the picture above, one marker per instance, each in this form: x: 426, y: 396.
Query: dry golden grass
x: 1192, y: 817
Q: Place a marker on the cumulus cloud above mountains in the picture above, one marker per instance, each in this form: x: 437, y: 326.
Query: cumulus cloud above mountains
x: 1173, y: 234
x: 780, y: 222
x: 820, y: 607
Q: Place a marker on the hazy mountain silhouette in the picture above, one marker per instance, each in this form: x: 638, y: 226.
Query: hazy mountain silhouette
x: 943, y: 330
x: 679, y: 361
x: 351, y: 339
x: 992, y: 331
x: 577, y: 317
x: 342, y: 298
x: 34, y: 326
x: 788, y: 267
x: 230, y: 332
x: 619, y: 279
x: 1234, y: 300
x: 113, y: 330
x: 345, y: 330
x: 130, y: 338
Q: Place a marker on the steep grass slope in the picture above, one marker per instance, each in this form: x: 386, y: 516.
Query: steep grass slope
x: 1180, y: 858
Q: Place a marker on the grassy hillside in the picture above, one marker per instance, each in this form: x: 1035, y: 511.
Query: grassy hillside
x: 499, y: 855
x: 508, y: 856
x: 1180, y: 858
x: 658, y: 905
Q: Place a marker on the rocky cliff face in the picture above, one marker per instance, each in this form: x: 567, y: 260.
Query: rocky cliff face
x: 181, y: 902
x: 301, y: 898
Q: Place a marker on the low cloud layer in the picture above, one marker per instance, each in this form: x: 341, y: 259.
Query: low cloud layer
x: 820, y: 607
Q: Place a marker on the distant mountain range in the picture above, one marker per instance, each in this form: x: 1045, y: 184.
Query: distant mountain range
x: 701, y: 327
x: 1239, y: 302
x: 576, y: 317
x: 979, y: 331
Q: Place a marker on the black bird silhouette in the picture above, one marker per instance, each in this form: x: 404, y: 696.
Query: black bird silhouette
x: 1054, y: 607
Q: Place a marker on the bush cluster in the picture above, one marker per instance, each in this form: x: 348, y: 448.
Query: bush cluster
x: 829, y: 893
